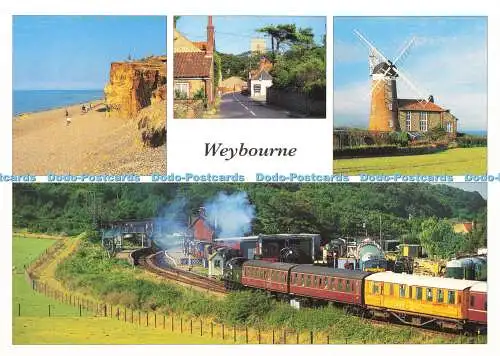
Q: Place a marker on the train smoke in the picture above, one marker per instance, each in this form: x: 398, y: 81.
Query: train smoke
x: 173, y: 224
x: 231, y: 215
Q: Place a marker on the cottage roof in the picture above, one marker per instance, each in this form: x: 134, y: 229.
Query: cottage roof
x: 419, y: 105
x: 260, y: 74
x: 191, y: 65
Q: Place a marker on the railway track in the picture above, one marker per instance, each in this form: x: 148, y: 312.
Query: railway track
x: 148, y: 262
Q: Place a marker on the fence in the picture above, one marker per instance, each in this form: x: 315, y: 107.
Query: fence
x: 172, y: 322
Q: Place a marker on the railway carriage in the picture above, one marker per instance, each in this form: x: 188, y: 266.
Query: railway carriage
x: 266, y: 275
x: 419, y: 300
x: 477, y: 309
x: 329, y: 284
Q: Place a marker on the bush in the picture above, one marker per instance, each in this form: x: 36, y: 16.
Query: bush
x: 472, y: 141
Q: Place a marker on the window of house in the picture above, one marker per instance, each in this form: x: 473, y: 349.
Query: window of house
x: 402, y: 291
x: 181, y: 90
x: 428, y: 294
x: 256, y: 88
x: 217, y: 263
x: 449, y: 127
x: 408, y: 121
x: 451, y: 297
x: 423, y: 121
x: 440, y: 296
x: 419, y: 293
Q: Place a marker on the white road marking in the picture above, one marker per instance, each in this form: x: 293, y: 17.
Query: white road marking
x: 251, y: 112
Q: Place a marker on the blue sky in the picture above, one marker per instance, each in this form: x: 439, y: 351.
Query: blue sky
x: 448, y: 60
x: 75, y: 52
x: 233, y: 33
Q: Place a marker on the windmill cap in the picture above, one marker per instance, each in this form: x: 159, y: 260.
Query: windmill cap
x: 384, y: 67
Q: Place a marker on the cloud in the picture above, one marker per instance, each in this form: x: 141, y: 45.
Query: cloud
x: 453, y: 69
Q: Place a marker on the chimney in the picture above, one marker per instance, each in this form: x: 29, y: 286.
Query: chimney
x: 431, y: 98
x: 210, y: 37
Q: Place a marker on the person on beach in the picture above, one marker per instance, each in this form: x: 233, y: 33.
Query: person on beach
x: 68, y: 119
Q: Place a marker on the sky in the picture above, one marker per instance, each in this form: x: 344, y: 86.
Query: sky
x: 448, y: 60
x: 481, y: 188
x: 75, y: 52
x: 233, y: 33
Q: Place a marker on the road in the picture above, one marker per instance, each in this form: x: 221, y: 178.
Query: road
x: 237, y: 106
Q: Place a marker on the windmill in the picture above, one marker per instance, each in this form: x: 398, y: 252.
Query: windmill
x: 384, y: 95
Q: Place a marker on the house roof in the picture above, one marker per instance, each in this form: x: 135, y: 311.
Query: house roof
x: 201, y: 45
x: 256, y: 75
x: 192, y: 65
x: 419, y: 105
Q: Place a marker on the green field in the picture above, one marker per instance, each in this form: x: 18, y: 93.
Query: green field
x: 92, y: 330
x: 458, y: 161
x: 65, y: 326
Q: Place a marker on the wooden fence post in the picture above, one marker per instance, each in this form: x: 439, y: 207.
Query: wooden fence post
x: 125, y: 316
x: 223, y: 331
x: 19, y: 309
x: 273, y: 336
x: 212, y: 329
x: 298, y: 335
x: 139, y: 317
x: 132, y: 312
x: 172, y: 319
x: 118, y: 313
x: 147, y: 318
x: 80, y: 307
x: 191, y: 326
x: 258, y: 335
x: 284, y: 337
x: 201, y: 327
x: 163, y: 321
x: 49, y: 309
x: 328, y: 339
x: 234, y: 333
x: 312, y: 338
x: 155, y: 320
x: 181, y: 325
x: 246, y: 334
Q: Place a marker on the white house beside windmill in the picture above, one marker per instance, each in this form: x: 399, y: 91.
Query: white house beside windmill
x: 390, y: 113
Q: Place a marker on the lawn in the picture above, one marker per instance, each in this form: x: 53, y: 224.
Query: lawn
x: 93, y: 330
x: 458, y: 161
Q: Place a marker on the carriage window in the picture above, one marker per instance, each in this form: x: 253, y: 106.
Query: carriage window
x: 375, y: 288
x: 315, y: 281
x: 472, y: 301
x: 302, y: 280
x: 402, y: 292
x: 283, y: 277
x: 326, y: 283
x: 348, y: 286
x: 485, y: 305
x: 391, y: 289
x: 332, y: 283
x: 339, y: 285
x: 419, y: 293
x: 428, y: 294
x: 440, y: 296
x: 308, y: 281
x: 410, y: 291
x: 451, y: 297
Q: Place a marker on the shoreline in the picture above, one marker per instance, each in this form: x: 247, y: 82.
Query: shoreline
x: 17, y: 116
x: 102, y: 98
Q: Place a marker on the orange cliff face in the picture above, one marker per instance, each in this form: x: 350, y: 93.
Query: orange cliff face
x: 136, y: 85
x: 380, y: 115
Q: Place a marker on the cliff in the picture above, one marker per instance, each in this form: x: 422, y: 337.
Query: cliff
x: 137, y: 90
x: 136, y: 85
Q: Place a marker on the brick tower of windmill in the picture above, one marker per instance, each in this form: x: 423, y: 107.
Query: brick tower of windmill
x: 383, y: 110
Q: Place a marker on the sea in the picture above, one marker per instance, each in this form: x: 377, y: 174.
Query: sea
x: 475, y: 132
x: 25, y: 101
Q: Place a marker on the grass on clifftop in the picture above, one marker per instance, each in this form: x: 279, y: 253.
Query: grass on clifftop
x: 457, y: 161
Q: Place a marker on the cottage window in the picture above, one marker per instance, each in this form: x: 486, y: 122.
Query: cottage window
x: 423, y: 121
x: 408, y: 121
x: 451, y: 297
x: 449, y: 127
x: 256, y: 88
x: 181, y: 89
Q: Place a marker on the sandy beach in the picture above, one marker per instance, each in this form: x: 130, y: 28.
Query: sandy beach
x: 93, y: 143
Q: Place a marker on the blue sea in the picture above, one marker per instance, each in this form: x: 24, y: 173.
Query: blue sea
x: 39, y: 100
x: 475, y: 132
